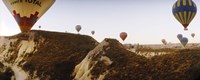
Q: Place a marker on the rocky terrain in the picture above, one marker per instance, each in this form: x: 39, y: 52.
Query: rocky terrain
x: 66, y: 56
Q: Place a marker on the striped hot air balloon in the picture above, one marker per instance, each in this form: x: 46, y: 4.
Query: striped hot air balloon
x: 184, y: 11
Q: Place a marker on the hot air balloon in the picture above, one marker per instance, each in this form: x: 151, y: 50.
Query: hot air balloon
x: 193, y: 34
x: 78, y: 28
x: 92, y: 32
x: 27, y: 12
x: 179, y: 36
x: 123, y: 35
x: 184, y: 11
x: 39, y: 27
x: 164, y: 41
x: 184, y: 41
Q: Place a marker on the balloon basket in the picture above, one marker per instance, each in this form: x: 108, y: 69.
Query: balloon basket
x: 185, y: 29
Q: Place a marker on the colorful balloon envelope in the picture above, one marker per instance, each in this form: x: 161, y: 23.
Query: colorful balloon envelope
x: 184, y: 11
x: 123, y: 35
x: 184, y: 41
x: 179, y: 36
x: 27, y: 12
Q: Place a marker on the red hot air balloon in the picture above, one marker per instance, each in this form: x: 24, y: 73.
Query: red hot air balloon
x: 123, y: 35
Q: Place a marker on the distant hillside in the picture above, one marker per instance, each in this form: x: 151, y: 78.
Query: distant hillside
x: 111, y: 61
x: 64, y: 56
x: 169, y: 45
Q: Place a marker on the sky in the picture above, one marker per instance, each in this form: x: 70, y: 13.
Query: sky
x: 145, y: 21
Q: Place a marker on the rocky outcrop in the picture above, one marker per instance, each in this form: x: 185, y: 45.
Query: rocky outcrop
x: 45, y: 55
x: 110, y: 61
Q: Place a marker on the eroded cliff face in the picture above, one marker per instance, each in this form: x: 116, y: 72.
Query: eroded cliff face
x: 44, y: 56
x: 83, y: 71
x: 110, y: 60
x: 65, y: 56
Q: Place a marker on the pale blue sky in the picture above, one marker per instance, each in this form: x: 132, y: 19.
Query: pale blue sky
x: 145, y: 21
